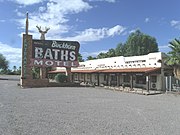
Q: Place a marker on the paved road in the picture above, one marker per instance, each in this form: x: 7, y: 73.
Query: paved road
x: 85, y: 111
x: 9, y: 77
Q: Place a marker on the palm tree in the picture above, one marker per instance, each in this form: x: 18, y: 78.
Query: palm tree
x: 80, y: 58
x: 174, y: 57
x: 14, y: 68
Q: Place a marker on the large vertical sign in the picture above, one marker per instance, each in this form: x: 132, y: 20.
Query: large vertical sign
x: 25, y: 56
x: 53, y: 53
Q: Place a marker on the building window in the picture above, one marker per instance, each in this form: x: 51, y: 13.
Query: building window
x: 113, y: 78
x: 88, y: 76
x: 105, y: 77
x: 76, y: 76
x: 153, y: 79
x: 126, y: 78
x: 95, y: 77
x: 82, y: 76
x: 140, y: 79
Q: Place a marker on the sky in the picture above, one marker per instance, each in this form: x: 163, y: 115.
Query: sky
x: 97, y: 25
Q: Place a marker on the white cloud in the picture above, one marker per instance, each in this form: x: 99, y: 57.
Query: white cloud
x: 27, y: 2
x: 132, y: 31
x: 146, y: 20
x: 13, y: 55
x: 175, y: 24
x: 2, y: 20
x: 97, y: 34
x: 164, y: 48
x: 19, y: 14
x: 111, y: 1
x: 54, y: 15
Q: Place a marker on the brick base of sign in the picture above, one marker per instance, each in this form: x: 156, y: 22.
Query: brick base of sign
x: 33, y: 83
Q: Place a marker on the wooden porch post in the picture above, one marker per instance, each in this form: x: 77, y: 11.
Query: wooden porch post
x: 91, y: 78
x: 84, y: 77
x: 118, y: 79
x: 68, y: 73
x: 78, y: 76
x: 72, y: 77
x: 147, y: 83
x: 170, y: 83
x: 131, y: 81
x: 107, y: 79
x: 98, y: 79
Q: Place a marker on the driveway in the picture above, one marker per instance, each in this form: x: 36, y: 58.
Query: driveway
x: 85, y: 111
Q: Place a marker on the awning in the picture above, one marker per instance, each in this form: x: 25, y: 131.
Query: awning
x: 56, y: 71
x: 132, y: 70
x: 85, y: 71
x: 75, y: 71
x: 125, y: 70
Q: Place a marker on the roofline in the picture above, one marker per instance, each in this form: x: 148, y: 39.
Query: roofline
x: 125, y: 70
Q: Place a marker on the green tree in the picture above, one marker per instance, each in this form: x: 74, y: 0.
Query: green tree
x: 18, y: 72
x: 102, y: 55
x: 119, y: 50
x: 14, y: 68
x: 80, y: 59
x: 174, y: 57
x: 3, y: 63
x: 91, y: 58
x: 140, y: 44
x: 111, y: 53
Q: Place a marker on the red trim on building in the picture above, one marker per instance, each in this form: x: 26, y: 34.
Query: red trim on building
x: 132, y: 70
x: 56, y: 71
x: 126, y: 70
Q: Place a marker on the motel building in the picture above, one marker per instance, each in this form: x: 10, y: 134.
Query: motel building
x: 146, y: 72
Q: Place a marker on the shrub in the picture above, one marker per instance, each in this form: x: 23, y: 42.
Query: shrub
x: 61, y: 78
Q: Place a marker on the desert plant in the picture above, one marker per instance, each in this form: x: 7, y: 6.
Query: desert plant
x: 60, y: 78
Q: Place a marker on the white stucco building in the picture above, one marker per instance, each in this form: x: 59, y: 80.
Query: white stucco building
x: 145, y: 71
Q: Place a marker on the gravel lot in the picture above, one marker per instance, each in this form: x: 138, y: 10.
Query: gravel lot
x: 85, y: 111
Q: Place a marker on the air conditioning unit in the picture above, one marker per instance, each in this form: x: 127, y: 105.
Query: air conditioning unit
x: 153, y: 85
